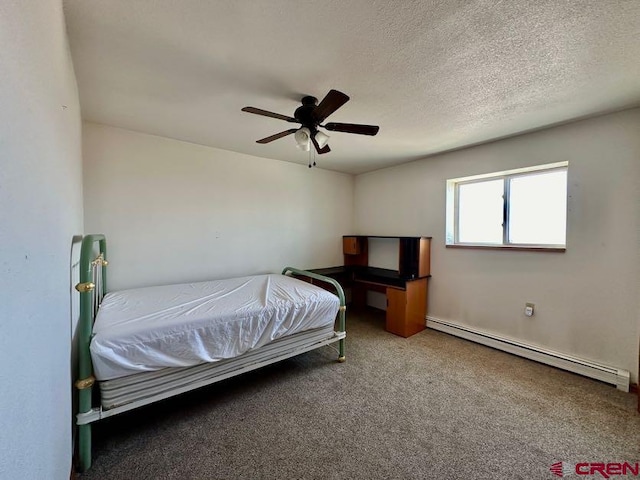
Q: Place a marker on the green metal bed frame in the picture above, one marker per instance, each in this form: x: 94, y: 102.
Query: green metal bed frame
x: 93, y: 286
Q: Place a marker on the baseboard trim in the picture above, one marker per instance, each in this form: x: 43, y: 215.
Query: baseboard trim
x: 581, y: 366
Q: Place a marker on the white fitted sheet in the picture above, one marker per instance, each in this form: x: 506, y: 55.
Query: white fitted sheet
x: 147, y: 329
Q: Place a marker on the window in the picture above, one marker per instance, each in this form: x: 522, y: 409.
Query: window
x: 524, y: 208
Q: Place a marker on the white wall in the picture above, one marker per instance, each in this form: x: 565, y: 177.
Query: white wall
x: 41, y: 211
x: 587, y: 299
x: 174, y: 211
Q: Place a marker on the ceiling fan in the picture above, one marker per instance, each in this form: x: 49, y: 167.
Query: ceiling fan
x: 311, y: 115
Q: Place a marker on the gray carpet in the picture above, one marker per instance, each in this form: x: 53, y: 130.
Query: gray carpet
x: 430, y: 406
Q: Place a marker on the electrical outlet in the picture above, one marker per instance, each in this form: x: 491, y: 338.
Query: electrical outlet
x: 528, y: 309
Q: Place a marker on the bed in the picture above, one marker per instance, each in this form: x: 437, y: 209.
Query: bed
x: 143, y: 345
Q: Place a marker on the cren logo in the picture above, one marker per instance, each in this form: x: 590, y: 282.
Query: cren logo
x: 560, y: 469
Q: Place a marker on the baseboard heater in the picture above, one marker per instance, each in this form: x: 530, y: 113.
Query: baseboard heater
x: 604, y: 373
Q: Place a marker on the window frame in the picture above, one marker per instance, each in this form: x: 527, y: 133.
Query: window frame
x: 452, y: 206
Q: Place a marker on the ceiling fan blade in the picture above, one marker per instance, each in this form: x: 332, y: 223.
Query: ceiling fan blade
x: 329, y: 104
x: 265, y: 113
x: 352, y: 128
x: 277, y: 136
x: 322, y: 150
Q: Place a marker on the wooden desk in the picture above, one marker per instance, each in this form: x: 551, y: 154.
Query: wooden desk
x: 406, y: 298
x: 405, y: 288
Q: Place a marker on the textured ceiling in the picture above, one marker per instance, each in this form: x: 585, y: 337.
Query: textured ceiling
x: 435, y: 75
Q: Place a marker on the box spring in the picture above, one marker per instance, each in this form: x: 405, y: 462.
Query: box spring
x: 132, y: 388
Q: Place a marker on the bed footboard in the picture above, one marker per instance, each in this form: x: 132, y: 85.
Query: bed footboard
x: 339, y: 292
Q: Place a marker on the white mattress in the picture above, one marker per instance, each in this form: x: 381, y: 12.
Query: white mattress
x: 147, y: 329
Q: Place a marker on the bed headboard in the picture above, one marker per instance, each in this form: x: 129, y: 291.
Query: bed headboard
x: 92, y: 287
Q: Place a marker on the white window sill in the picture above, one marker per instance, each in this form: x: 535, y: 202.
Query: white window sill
x: 528, y: 248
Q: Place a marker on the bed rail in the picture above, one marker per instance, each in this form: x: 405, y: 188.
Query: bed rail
x: 92, y: 287
x: 339, y: 293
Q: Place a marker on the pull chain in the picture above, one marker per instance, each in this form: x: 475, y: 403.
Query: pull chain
x: 312, y: 156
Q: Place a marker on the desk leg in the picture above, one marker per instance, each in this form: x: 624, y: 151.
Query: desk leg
x: 406, y: 309
x: 358, y: 295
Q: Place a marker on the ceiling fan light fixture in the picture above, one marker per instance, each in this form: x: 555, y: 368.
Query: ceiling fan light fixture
x: 311, y: 115
x: 303, y: 139
x: 322, y: 138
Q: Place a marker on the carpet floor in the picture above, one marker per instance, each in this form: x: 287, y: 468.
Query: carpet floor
x: 430, y: 406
